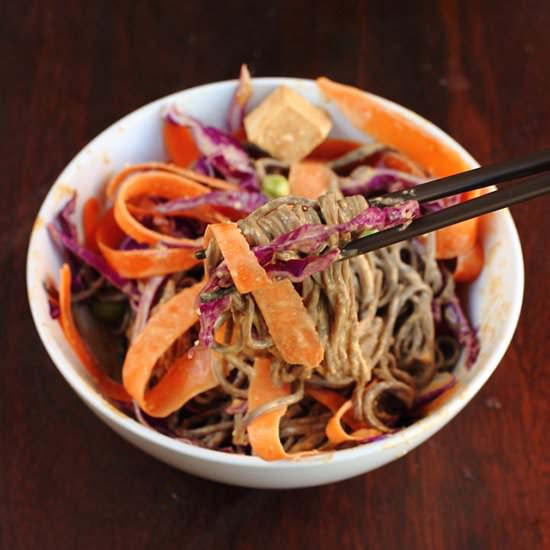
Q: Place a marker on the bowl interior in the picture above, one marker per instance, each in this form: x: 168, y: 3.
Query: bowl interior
x: 494, y: 300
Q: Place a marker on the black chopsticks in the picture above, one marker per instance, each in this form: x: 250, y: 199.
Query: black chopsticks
x: 532, y: 165
x: 459, y: 183
x: 472, y: 179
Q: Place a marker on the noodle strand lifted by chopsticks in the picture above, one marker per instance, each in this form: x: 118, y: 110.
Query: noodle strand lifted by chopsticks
x: 373, y: 315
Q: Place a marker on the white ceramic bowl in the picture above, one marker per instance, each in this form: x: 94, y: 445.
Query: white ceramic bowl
x: 494, y: 299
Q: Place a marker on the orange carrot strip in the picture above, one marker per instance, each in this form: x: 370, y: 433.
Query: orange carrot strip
x: 107, y: 386
x: 333, y: 401
x: 246, y: 272
x: 139, y: 263
x: 309, y: 179
x: 153, y: 183
x: 189, y: 376
x: 333, y: 148
x: 469, y: 265
x: 456, y: 240
x: 91, y: 212
x: 180, y: 144
x: 368, y: 113
x: 219, y: 334
x: 336, y: 433
x: 289, y: 324
x: 460, y: 238
x: 398, y: 161
x: 172, y: 320
x: 120, y: 177
x: 263, y: 432
x: 330, y: 399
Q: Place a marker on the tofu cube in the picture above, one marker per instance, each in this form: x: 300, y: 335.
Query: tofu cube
x: 286, y: 125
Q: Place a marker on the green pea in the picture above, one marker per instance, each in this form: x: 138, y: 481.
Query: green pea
x: 275, y: 185
x: 108, y: 312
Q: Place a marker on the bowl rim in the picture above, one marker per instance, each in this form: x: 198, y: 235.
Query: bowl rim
x: 408, y: 437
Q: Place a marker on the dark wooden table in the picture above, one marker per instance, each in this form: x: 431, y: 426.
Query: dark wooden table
x: 71, y: 68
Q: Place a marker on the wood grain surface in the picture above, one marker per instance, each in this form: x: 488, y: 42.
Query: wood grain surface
x: 70, y: 68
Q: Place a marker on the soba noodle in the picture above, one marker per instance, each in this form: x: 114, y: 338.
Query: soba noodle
x: 373, y: 315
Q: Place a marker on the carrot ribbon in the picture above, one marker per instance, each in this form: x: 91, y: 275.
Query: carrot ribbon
x: 107, y: 386
x: 289, y: 324
x: 157, y: 184
x: 125, y: 173
x: 188, y: 376
x: 309, y: 179
x: 371, y: 114
x: 285, y: 315
x: 336, y: 433
x: 246, y: 271
x: 263, y: 431
x: 139, y: 263
x: 341, y: 408
x: 91, y: 213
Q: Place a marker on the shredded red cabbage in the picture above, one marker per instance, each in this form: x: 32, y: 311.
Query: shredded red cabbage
x: 93, y: 260
x: 130, y: 244
x: 371, y: 182
x: 63, y: 232
x: 221, y: 151
x: 438, y: 386
x: 243, y: 92
x: 299, y: 269
x: 309, y: 238
x: 449, y: 317
x: 209, y: 313
x: 53, y: 308
x: 202, y: 166
x: 376, y: 181
x: 146, y: 302
x: 240, y: 201
x: 64, y: 218
x: 460, y: 326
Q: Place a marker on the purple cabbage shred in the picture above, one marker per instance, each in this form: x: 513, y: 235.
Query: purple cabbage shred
x: 309, y: 238
x: 241, y: 201
x: 243, y: 92
x: 64, y: 234
x: 220, y: 151
x: 299, y: 269
x: 209, y: 313
x: 434, y: 390
x: 202, y: 166
x: 371, y: 182
x: 461, y: 328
